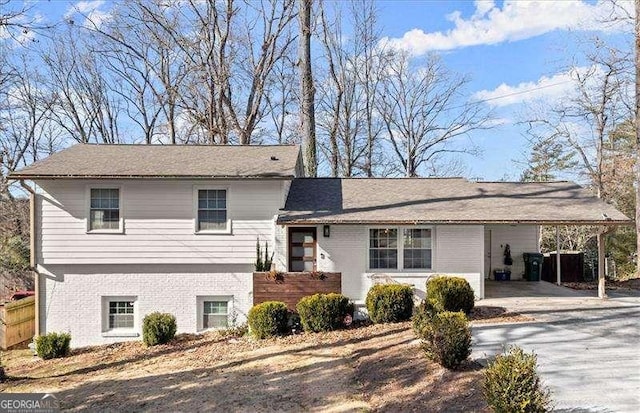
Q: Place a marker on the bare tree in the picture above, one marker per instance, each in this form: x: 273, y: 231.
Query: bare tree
x: 307, y: 89
x: 424, y: 112
x: 637, y: 125
x: 84, y: 106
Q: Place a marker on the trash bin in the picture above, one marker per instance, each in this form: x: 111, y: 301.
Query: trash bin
x: 502, y: 275
x: 532, y: 266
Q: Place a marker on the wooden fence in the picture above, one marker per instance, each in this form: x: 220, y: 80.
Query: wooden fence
x: 290, y: 287
x: 17, y: 322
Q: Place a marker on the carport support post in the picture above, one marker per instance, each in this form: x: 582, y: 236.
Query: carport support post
x: 558, y: 271
x: 601, y: 287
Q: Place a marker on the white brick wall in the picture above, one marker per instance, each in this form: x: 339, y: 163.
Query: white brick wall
x: 73, y: 295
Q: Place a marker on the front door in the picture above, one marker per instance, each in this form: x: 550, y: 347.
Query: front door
x: 302, y: 249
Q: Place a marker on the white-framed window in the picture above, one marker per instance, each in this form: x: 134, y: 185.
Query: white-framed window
x: 416, y: 248
x: 214, y: 312
x: 212, y: 210
x: 400, y: 248
x: 104, y: 209
x: 119, y: 315
x: 383, y: 248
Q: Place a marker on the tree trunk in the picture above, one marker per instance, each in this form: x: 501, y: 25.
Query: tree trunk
x: 308, y: 121
x: 638, y: 134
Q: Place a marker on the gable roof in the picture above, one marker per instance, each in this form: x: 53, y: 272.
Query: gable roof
x: 445, y: 200
x: 166, y: 161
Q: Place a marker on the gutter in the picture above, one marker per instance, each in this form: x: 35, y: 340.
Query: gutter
x: 450, y: 222
x: 33, y: 253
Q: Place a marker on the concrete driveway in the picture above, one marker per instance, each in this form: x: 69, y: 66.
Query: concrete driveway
x: 588, y: 349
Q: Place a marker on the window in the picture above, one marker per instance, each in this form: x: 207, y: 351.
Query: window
x: 212, y: 210
x: 404, y: 248
x: 417, y: 248
x: 215, y: 314
x: 104, y: 211
x: 383, y: 248
x: 121, y: 315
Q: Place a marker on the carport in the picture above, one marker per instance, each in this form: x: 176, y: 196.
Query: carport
x: 524, y: 206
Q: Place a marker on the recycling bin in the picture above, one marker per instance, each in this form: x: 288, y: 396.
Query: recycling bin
x: 502, y: 275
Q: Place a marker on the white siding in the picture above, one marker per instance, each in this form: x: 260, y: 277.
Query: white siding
x: 159, y: 224
x: 73, y: 295
x: 521, y: 239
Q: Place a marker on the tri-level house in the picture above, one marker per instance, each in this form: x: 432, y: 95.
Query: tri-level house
x: 120, y: 231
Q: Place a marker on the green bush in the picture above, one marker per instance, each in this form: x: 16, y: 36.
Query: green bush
x: 447, y: 338
x: 390, y: 303
x: 451, y: 293
x: 323, y: 312
x: 423, y: 314
x: 52, y: 345
x: 158, y: 328
x: 268, y: 319
x: 511, y: 384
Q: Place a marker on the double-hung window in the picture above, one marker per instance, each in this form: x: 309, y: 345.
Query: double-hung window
x: 215, y: 314
x: 404, y: 248
x: 212, y: 210
x: 121, y: 315
x: 104, y: 209
x: 383, y: 248
x: 416, y: 248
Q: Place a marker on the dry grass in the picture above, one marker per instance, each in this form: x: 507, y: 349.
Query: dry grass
x: 374, y: 368
x: 371, y: 368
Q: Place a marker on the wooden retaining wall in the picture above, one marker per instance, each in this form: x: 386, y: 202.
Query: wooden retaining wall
x: 17, y: 322
x: 290, y: 287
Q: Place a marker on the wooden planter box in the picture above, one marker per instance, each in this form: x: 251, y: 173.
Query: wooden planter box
x: 290, y: 287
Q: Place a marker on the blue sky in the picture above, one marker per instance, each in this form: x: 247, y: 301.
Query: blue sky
x: 515, y: 52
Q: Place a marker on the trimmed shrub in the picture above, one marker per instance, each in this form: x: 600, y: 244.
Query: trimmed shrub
x: 446, y: 338
x: 423, y: 314
x: 268, y: 319
x: 511, y: 384
x: 158, y: 328
x: 52, y: 345
x: 323, y: 312
x: 390, y: 303
x: 451, y: 293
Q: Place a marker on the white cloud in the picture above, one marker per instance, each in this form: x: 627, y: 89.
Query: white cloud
x: 546, y: 87
x: 516, y: 20
x: 90, y: 10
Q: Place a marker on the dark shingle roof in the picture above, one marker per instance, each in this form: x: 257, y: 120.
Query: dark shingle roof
x: 165, y: 161
x: 447, y: 200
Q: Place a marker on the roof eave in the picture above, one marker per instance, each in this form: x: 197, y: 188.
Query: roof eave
x: 319, y: 221
x: 29, y: 177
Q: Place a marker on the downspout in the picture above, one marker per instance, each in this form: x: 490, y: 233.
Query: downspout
x: 33, y: 253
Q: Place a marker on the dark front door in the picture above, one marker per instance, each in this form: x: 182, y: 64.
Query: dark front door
x: 302, y: 249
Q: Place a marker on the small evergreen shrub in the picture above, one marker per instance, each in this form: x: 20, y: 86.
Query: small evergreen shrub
x: 52, y: 345
x: 323, y: 312
x: 268, y: 319
x: 423, y: 314
x: 451, y: 293
x: 390, y: 303
x: 158, y: 328
x: 446, y: 338
x: 512, y: 385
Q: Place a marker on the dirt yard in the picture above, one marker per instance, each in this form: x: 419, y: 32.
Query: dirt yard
x: 627, y: 285
x: 374, y: 368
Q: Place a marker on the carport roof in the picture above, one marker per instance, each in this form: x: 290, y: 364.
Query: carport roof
x: 443, y: 201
